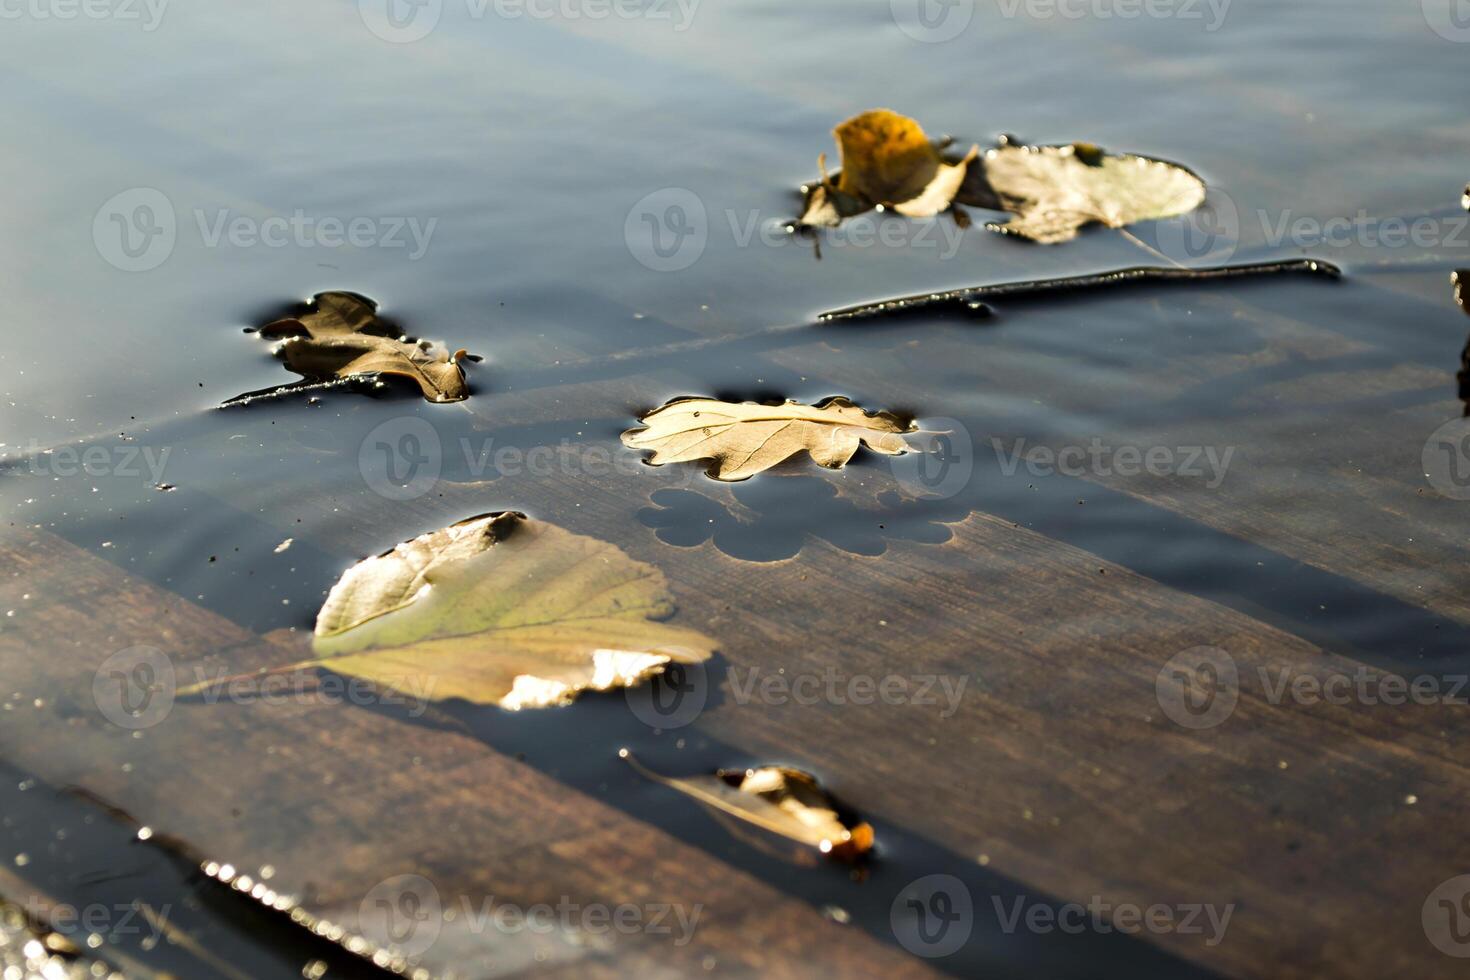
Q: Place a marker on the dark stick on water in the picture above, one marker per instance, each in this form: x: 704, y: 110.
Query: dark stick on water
x: 970, y: 300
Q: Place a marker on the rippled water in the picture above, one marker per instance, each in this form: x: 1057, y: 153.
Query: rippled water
x: 518, y: 188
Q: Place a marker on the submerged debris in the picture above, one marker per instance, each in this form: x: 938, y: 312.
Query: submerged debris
x: 783, y: 801
x: 969, y: 299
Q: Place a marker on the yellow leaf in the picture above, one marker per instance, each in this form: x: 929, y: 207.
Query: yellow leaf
x: 777, y: 799
x: 886, y: 160
x: 745, y: 438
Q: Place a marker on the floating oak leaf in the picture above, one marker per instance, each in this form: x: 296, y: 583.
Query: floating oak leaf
x: 500, y: 609
x: 745, y: 438
x: 1054, y: 190
x: 341, y: 336
x: 783, y: 801
x: 886, y: 160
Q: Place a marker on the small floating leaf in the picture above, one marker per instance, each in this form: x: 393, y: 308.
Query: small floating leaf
x: 1055, y: 190
x: 500, y: 609
x: 340, y: 336
x: 777, y: 799
x: 886, y: 160
x: 745, y: 438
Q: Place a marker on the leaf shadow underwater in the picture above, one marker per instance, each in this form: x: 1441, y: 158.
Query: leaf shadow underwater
x: 781, y: 511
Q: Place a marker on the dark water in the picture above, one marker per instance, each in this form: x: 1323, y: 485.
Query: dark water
x: 520, y: 184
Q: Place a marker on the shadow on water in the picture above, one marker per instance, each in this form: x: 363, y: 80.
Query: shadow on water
x: 780, y: 511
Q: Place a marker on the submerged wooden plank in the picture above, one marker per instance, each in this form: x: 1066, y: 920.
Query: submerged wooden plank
x: 338, y: 800
x: 1057, y: 767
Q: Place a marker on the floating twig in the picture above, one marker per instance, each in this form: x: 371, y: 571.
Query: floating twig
x: 970, y: 299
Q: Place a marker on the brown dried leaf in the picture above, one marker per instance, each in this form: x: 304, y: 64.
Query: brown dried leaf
x: 745, y: 438
x: 341, y: 336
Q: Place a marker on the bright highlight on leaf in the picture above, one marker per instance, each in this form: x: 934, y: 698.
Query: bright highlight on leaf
x: 886, y: 161
x: 745, y: 438
x: 341, y: 336
x: 500, y: 609
x: 1055, y: 190
x: 782, y: 801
